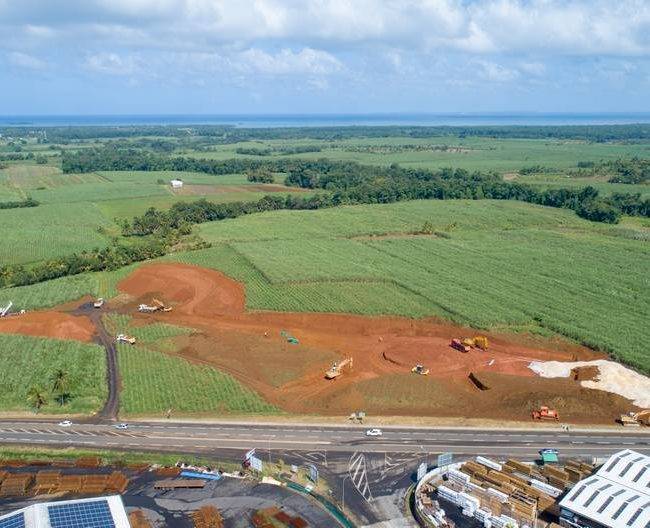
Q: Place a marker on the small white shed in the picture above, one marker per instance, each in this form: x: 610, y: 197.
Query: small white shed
x: 177, y: 184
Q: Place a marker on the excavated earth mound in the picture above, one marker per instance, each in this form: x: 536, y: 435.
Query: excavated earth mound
x: 57, y: 325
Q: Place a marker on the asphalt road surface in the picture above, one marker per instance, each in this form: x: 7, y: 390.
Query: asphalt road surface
x: 369, y: 475
x: 214, y: 437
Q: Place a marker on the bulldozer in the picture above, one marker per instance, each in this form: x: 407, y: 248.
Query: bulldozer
x: 421, y: 370
x: 544, y: 413
x: 476, y: 342
x: 336, y: 369
x: 635, y: 419
x: 156, y: 306
x: 123, y: 338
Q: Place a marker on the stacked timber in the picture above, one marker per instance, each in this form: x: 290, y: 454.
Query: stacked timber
x: 47, y: 482
x: 89, y: 462
x: 16, y: 484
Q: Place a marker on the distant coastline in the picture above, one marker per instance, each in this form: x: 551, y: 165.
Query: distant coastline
x: 324, y: 120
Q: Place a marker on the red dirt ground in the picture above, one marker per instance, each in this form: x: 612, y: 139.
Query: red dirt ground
x: 57, y: 325
x: 249, y: 346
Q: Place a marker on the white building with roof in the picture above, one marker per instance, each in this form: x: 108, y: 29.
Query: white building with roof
x: 616, y: 496
x: 176, y: 184
x: 98, y: 512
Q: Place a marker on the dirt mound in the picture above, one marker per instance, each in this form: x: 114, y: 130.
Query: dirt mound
x: 52, y: 324
x: 589, y: 373
x: 189, y: 289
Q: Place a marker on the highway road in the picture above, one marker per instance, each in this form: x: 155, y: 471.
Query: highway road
x: 375, y: 472
x: 189, y: 437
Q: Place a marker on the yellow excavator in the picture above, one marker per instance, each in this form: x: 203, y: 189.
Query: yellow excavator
x: 635, y: 419
x: 476, y: 342
x: 337, y: 368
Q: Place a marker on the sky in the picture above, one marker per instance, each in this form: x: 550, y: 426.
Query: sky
x: 323, y: 56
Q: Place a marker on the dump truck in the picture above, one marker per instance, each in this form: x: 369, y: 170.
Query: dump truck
x: 156, y: 306
x: 458, y: 345
x: 633, y: 419
x: 99, y: 303
x: 544, y: 413
x: 476, y: 342
x: 336, y: 369
x: 123, y: 338
x: 421, y: 370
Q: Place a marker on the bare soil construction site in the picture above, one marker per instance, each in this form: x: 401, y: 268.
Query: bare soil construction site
x: 284, y: 356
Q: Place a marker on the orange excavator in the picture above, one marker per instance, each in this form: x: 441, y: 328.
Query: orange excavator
x: 336, y: 369
x: 157, y: 306
x: 544, y: 413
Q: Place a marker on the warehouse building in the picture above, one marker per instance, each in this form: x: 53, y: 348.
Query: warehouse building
x: 616, y: 496
x: 98, y: 512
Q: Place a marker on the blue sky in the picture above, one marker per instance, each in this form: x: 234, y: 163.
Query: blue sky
x: 323, y: 56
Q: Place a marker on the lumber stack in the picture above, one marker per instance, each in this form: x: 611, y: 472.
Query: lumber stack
x: 16, y: 484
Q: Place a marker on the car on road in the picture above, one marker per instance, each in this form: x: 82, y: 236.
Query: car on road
x: 65, y: 423
x: 373, y: 432
x: 121, y: 426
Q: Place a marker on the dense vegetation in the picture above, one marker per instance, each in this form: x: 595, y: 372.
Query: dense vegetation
x: 28, y: 202
x: 230, y: 134
x: 29, y: 366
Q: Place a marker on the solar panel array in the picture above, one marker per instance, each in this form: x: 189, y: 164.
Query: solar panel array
x: 15, y: 521
x: 93, y: 514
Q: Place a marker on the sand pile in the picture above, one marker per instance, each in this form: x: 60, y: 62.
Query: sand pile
x: 613, y: 377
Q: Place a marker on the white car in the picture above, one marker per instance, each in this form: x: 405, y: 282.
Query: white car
x: 121, y: 426
x: 65, y: 423
x: 373, y: 432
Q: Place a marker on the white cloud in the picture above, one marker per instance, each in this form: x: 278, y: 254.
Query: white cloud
x: 492, y: 71
x: 287, y: 62
x: 112, y: 64
x: 23, y: 60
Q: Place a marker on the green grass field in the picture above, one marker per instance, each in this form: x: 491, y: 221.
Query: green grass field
x: 153, y: 382
x: 502, y: 155
x: 27, y: 362
x: 493, y: 264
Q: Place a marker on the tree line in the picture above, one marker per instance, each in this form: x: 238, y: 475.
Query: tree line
x: 225, y: 134
x: 352, y: 183
x: 27, y: 202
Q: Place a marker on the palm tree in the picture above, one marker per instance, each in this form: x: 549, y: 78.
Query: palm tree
x: 60, y: 383
x: 37, y: 397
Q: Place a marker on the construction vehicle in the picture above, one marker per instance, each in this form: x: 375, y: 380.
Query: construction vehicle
x: 476, y: 342
x: 635, y: 419
x: 544, y: 413
x: 99, y: 303
x: 156, y: 306
x: 419, y: 369
x: 123, y: 338
x: 336, y: 369
x: 458, y: 345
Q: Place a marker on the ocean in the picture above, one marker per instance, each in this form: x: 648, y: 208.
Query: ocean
x: 322, y: 120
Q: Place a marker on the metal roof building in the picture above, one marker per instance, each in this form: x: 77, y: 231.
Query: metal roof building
x: 616, y: 496
x: 98, y: 512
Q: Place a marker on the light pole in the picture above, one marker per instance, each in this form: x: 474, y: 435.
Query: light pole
x: 343, y: 498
